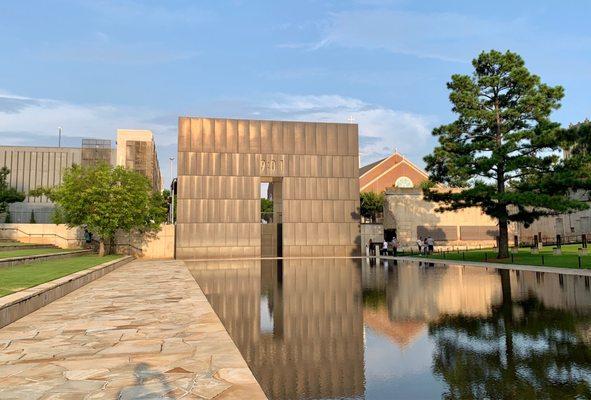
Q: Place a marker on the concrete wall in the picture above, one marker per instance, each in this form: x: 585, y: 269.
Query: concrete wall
x: 221, y: 163
x: 375, y: 232
x: 406, y: 211
x: 573, y: 225
x: 58, y: 235
x: 158, y: 246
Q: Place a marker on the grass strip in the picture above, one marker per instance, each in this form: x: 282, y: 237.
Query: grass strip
x: 13, y: 279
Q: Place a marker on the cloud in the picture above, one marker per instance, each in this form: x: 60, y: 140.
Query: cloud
x: 34, y: 121
x: 381, y: 129
x: 443, y: 36
x: 25, y: 119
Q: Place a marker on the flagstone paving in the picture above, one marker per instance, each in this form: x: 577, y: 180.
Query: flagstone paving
x: 144, y: 331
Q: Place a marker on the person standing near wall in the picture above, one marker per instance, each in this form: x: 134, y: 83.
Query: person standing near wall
x: 420, y: 244
x: 394, y: 247
x: 431, y: 244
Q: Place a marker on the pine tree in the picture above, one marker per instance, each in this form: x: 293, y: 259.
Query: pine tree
x: 502, y: 151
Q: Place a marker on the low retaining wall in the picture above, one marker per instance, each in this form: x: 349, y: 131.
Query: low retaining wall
x: 25, y: 247
x: 12, y: 261
x: 17, y: 305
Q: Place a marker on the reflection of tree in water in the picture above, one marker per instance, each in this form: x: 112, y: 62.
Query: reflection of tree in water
x: 521, y: 351
x: 374, y: 298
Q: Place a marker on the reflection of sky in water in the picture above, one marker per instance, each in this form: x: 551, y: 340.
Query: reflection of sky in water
x: 395, y: 372
x: 342, y: 329
x: 266, y: 321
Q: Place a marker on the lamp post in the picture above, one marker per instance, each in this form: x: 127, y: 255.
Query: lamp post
x: 59, y: 136
x: 171, y: 192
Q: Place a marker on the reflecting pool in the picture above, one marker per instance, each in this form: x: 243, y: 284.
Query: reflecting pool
x: 351, y: 329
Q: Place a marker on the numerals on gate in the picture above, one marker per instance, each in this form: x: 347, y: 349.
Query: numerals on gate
x: 271, y: 167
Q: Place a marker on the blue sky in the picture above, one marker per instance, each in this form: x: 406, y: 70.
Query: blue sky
x: 95, y: 66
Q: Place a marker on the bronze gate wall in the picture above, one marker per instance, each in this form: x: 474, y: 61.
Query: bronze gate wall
x: 220, y: 165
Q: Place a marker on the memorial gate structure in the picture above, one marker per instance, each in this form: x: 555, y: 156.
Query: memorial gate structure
x: 310, y: 170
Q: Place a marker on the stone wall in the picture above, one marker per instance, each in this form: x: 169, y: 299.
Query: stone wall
x: 567, y: 225
x: 52, y: 234
x: 158, y: 246
x: 406, y: 211
x: 375, y: 232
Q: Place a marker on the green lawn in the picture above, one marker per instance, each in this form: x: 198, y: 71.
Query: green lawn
x: 13, y: 279
x: 29, y: 252
x: 568, y: 259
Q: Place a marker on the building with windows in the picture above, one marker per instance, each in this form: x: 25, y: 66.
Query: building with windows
x: 393, y: 171
x: 136, y: 151
x: 32, y: 167
x: 408, y: 216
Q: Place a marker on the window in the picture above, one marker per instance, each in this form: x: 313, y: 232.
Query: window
x: 403, y: 182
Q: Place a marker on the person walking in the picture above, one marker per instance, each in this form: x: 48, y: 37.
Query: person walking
x: 385, y: 248
x: 370, y: 244
x: 394, y: 246
x: 431, y: 244
x: 420, y: 244
x: 425, y: 246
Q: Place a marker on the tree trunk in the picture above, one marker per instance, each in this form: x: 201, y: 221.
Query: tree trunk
x: 503, y: 238
x: 101, y: 251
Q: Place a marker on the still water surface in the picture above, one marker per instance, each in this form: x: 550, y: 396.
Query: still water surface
x: 348, y: 329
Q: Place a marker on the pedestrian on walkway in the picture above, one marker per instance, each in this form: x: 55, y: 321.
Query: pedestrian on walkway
x: 431, y: 244
x: 394, y: 246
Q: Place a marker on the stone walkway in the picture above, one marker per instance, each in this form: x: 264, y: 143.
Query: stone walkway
x: 144, y: 331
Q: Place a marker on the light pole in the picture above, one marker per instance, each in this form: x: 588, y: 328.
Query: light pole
x: 171, y: 192
x: 59, y: 136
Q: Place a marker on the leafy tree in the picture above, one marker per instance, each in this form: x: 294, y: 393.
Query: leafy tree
x: 106, y: 200
x: 7, y: 194
x: 501, y: 152
x: 371, y: 204
x: 575, y: 170
x: 32, y: 219
x: 266, y: 209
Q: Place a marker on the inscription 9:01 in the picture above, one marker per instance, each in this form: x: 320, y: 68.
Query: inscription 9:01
x: 272, y: 167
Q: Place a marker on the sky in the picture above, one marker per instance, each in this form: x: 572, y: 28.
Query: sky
x: 92, y: 66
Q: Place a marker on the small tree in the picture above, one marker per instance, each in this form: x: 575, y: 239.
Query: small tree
x: 372, y: 204
x: 107, y: 199
x: 8, y: 194
x: 32, y: 219
x: 267, y: 209
x: 502, y: 149
x: 7, y: 218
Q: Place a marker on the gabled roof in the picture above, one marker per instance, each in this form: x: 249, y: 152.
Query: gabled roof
x: 367, y: 167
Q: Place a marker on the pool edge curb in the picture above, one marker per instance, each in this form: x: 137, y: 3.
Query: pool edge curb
x: 521, y: 267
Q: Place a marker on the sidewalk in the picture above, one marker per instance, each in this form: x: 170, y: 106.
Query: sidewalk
x: 143, y: 331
